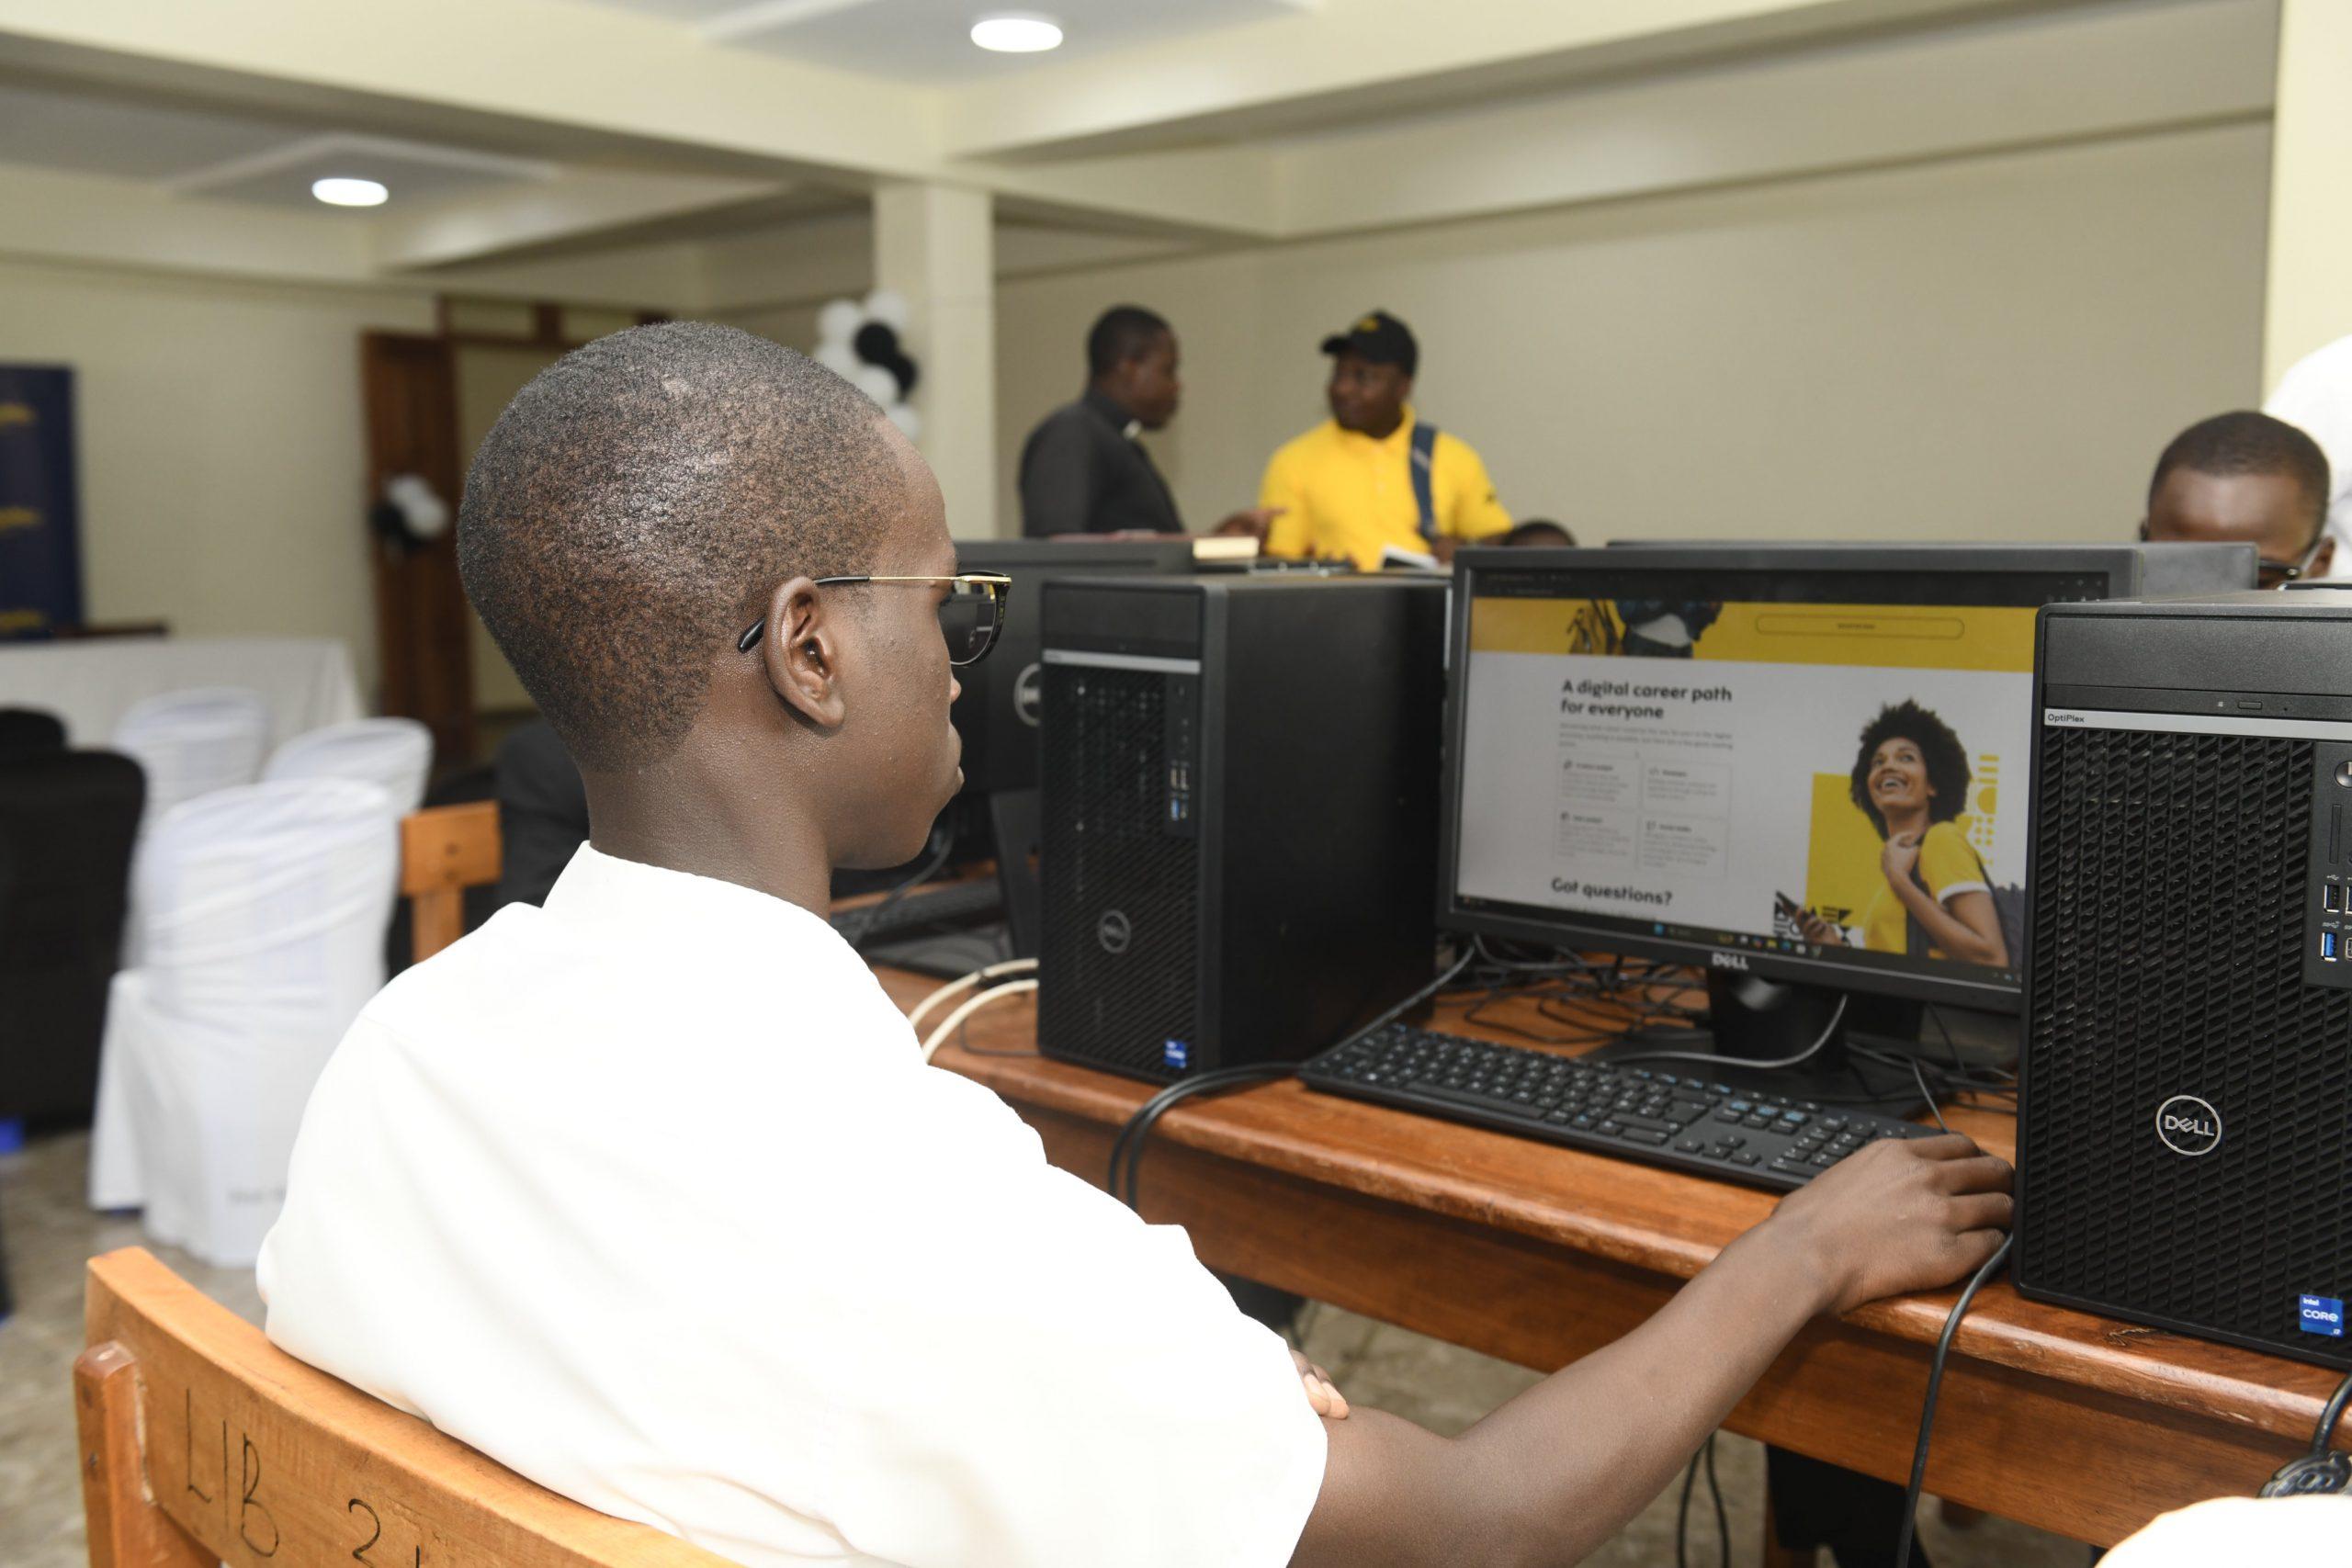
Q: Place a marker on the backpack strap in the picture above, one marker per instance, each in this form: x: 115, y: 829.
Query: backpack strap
x: 1417, y: 463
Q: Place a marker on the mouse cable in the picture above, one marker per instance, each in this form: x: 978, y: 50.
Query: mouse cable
x: 1935, y: 1387
x: 1127, y: 1149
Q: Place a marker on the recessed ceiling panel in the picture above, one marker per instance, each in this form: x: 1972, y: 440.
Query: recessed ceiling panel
x: 133, y: 142
x: 409, y: 172
x: 930, y: 40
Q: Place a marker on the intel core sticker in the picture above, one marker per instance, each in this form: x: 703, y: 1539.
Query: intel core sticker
x: 1175, y: 1055
x: 2323, y: 1314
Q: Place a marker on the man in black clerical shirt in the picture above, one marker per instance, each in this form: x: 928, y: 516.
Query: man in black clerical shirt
x: 1082, y: 470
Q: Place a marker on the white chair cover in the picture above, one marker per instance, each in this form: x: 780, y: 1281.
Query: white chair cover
x: 265, y: 909
x: 394, y: 753
x: 193, y: 742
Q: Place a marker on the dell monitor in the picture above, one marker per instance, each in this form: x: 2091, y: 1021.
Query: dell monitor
x: 1802, y: 766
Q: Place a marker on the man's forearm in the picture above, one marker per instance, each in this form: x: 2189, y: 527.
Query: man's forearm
x: 1570, y: 1461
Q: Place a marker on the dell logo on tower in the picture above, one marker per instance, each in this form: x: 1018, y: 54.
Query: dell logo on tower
x: 2189, y: 1126
x: 1028, y: 694
x: 1113, y: 932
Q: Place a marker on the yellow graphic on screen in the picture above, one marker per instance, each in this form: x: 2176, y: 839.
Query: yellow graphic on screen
x: 1893, y: 637
x: 1841, y: 872
x: 1842, y: 875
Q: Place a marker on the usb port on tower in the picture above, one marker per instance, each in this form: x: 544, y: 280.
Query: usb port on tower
x: 2327, y: 946
x: 2331, y: 899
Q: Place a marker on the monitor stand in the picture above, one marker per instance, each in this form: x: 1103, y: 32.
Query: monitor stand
x: 1764, y: 1021
x: 1013, y: 822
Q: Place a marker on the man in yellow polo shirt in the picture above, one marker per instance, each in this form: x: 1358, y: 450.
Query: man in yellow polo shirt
x: 1372, y: 475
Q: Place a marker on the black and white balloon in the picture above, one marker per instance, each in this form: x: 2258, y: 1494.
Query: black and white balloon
x: 864, y: 342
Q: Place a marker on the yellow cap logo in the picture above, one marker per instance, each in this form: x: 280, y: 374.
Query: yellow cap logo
x: 16, y: 413
x: 1369, y: 324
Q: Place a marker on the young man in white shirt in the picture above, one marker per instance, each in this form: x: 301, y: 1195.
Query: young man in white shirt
x: 647, y: 1195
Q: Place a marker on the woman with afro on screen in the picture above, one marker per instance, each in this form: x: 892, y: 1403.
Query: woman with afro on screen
x: 1911, y: 780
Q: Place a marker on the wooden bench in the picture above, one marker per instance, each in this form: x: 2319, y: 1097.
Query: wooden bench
x: 203, y: 1443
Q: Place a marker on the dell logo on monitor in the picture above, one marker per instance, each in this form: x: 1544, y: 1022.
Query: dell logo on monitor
x: 2189, y: 1126
x: 1728, y: 960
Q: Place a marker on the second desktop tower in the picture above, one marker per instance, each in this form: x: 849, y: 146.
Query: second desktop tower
x: 2184, y: 1137
x: 1241, y: 800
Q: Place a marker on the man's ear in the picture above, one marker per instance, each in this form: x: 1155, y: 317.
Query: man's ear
x: 800, y: 653
x: 2323, y: 561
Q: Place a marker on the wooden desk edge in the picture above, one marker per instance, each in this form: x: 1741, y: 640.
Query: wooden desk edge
x: 2260, y: 1392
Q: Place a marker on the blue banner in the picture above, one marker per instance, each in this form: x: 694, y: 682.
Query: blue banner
x: 40, y: 511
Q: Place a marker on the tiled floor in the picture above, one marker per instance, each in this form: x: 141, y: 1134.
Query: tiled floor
x: 48, y: 1231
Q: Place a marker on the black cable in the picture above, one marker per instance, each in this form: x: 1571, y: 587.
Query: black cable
x: 1722, y: 1520
x: 1140, y: 1126
x: 1682, y: 1509
x: 930, y: 868
x: 2330, y: 1414
x: 1920, y: 1078
x: 1127, y: 1149
x: 1837, y: 1016
x: 1682, y: 1514
x: 1935, y: 1388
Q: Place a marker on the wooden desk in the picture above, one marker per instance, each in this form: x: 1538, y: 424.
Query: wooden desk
x: 2075, y: 1424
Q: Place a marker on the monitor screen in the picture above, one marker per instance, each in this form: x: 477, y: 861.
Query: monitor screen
x: 1801, y: 767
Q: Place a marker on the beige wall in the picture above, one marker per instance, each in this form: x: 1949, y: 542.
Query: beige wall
x: 487, y: 380
x: 221, y: 445
x: 1994, y: 347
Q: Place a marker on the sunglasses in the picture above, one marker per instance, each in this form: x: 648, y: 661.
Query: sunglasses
x: 969, y: 617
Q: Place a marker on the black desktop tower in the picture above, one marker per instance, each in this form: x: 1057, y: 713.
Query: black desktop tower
x: 1239, y: 806
x: 2185, y: 1135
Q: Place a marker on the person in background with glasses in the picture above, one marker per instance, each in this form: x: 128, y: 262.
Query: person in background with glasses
x: 649, y: 1195
x: 2246, y: 477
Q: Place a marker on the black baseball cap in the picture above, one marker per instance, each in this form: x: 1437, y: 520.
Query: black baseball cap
x: 1380, y: 338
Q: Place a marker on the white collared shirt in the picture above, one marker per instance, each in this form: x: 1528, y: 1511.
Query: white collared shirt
x: 648, y: 1195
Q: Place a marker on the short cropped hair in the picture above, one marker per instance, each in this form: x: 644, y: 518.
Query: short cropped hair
x: 2249, y: 443
x: 1118, y: 335
x: 1940, y: 749
x: 633, y: 508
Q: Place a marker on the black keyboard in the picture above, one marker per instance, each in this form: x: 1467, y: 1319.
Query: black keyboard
x: 950, y: 903
x: 1660, y: 1113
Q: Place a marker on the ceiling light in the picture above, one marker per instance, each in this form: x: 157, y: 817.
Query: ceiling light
x: 349, y: 192
x: 1017, y: 34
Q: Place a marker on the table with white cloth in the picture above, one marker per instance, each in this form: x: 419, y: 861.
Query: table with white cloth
x: 307, y: 681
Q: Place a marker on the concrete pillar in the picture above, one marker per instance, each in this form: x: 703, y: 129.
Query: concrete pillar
x: 936, y: 246
x: 2308, y: 302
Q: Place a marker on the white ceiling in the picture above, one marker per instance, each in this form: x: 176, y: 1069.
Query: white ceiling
x: 133, y: 142
x: 930, y: 42
x: 230, y: 157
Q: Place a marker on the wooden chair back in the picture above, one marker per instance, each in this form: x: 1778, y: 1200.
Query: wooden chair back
x: 202, y: 1443
x: 444, y: 850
